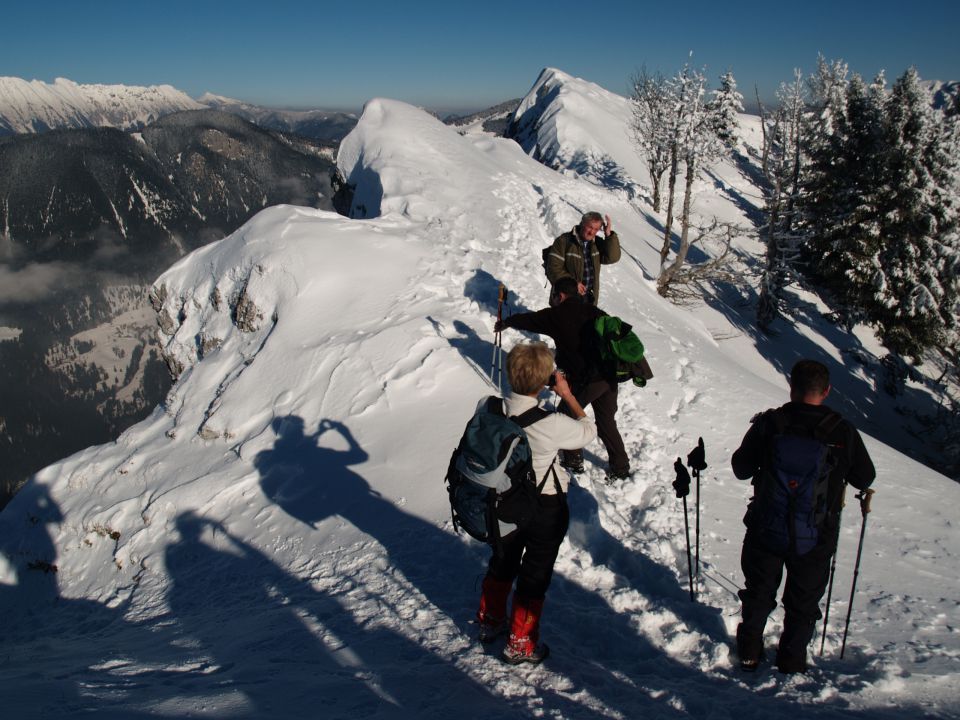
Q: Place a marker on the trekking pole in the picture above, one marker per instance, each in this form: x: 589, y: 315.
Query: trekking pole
x: 833, y: 570
x: 696, y: 460
x: 864, y: 497
x: 497, y: 340
x: 502, y: 295
x: 682, y: 487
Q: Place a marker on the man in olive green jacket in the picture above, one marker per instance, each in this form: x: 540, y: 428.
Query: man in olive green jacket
x: 567, y: 255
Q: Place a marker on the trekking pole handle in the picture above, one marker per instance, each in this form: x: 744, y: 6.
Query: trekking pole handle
x: 682, y: 484
x: 697, y: 458
x: 865, y: 496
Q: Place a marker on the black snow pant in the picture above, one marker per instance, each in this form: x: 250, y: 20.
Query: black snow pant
x: 807, y: 577
x: 601, y: 395
x: 529, y: 555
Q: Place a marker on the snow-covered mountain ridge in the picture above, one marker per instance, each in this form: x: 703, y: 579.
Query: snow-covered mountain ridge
x: 329, y: 126
x: 276, y: 536
x: 35, y: 106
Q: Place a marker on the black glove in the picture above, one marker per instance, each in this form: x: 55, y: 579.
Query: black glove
x: 682, y: 484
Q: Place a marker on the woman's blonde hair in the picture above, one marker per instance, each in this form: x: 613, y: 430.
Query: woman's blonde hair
x: 529, y: 366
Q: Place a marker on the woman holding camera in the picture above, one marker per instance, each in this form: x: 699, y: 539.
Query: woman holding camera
x: 528, y: 556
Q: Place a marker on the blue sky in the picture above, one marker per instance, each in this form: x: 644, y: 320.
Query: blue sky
x: 458, y: 56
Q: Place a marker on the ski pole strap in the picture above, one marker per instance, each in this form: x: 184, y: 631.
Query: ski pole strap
x: 865, y: 496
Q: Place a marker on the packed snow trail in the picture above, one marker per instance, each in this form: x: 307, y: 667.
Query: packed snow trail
x: 275, y: 541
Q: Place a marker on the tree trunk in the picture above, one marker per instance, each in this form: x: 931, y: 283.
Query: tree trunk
x: 765, y: 145
x: 671, y: 187
x: 667, y: 275
x: 768, y: 306
x: 656, y: 179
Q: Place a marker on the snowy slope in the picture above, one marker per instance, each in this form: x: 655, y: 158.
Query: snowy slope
x: 275, y: 541
x: 35, y: 106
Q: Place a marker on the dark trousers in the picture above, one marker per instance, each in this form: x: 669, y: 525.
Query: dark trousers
x: 601, y: 395
x: 529, y: 555
x: 807, y: 577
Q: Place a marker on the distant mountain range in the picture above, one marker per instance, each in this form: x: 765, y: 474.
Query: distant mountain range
x: 494, y: 119
x: 35, y: 106
x: 326, y: 126
x: 182, y: 180
x: 88, y: 218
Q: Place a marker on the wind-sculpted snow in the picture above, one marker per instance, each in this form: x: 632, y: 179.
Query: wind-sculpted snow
x: 275, y: 540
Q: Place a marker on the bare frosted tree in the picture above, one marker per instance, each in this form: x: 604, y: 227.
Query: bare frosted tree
x: 648, y: 130
x: 674, y: 123
x: 698, y: 144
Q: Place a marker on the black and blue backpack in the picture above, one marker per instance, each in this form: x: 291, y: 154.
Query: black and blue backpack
x: 490, y: 479
x: 791, y: 490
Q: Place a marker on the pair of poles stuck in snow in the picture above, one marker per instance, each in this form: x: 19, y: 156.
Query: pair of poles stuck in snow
x: 696, y: 460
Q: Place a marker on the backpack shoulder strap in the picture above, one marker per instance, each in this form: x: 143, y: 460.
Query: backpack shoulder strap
x: 778, y: 420
x: 525, y: 420
x: 495, y: 406
x: 529, y: 417
x: 827, y: 425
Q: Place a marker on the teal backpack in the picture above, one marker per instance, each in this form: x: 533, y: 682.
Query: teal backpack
x: 621, y: 351
x: 490, y: 479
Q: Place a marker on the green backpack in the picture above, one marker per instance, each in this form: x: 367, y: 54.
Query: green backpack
x: 621, y: 351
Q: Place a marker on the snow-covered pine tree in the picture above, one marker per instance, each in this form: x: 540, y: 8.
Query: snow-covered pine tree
x: 840, y: 199
x: 920, y: 260
x: 726, y: 105
x: 784, y: 161
x: 826, y: 195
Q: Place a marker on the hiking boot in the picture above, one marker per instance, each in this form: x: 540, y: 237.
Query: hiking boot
x: 788, y: 664
x: 523, y: 646
x: 572, y: 460
x: 618, y: 475
x: 524, y: 651
x: 792, y: 649
x: 749, y: 649
x: 492, y: 613
x: 490, y: 631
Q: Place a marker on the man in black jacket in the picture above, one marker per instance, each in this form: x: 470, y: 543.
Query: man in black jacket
x: 775, y: 539
x: 571, y: 325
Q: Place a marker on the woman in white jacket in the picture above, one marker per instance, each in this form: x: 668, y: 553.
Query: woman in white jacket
x: 528, y: 556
